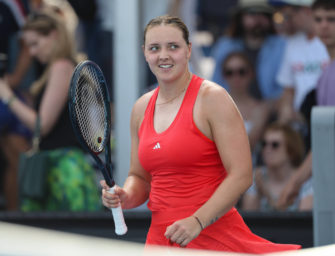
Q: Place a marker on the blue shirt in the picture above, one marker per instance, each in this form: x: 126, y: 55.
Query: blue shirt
x: 268, y: 62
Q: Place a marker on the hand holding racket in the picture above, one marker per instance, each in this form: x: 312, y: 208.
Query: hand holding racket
x: 112, y: 200
x: 89, y: 106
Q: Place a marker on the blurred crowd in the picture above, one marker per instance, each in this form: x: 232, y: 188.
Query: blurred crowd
x: 272, y: 56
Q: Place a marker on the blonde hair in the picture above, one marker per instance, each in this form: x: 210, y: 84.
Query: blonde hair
x: 44, y: 23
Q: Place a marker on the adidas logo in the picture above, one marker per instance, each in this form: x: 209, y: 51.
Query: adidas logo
x: 157, y: 146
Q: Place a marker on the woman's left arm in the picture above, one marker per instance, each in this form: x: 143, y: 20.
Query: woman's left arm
x: 220, y: 121
x: 228, y: 132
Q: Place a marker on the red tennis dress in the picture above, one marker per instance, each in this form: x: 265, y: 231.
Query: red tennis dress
x: 186, y: 169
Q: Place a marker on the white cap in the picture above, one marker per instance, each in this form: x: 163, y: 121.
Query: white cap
x: 292, y: 2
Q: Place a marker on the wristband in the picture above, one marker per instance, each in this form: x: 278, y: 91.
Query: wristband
x: 202, y: 227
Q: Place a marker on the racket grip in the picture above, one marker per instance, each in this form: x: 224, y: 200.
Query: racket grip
x: 120, y: 225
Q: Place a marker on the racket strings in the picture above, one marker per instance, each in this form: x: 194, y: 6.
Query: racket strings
x: 90, y: 109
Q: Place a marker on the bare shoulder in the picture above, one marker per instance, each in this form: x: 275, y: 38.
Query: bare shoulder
x: 210, y: 91
x: 213, y: 97
x: 139, y: 107
x: 209, y: 86
x: 142, y: 102
x: 60, y: 73
x: 62, y: 65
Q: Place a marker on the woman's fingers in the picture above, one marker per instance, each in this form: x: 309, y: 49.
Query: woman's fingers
x: 185, y: 242
x: 179, y: 237
x: 110, y: 200
x: 172, y: 233
x: 183, y: 231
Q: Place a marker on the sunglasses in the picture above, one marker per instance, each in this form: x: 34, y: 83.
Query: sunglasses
x: 233, y: 72
x: 272, y: 144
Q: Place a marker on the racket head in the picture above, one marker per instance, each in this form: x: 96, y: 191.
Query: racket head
x: 89, y: 106
x: 89, y: 109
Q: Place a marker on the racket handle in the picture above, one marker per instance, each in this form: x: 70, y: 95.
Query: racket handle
x: 120, y: 225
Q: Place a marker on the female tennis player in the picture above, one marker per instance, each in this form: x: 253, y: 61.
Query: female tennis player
x: 190, y: 153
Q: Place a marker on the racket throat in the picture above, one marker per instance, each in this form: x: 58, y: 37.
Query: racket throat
x: 110, y: 183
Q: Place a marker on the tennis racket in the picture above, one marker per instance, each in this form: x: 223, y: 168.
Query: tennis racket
x: 89, y: 107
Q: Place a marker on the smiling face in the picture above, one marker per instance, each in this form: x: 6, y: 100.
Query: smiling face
x: 166, y: 52
x: 40, y: 46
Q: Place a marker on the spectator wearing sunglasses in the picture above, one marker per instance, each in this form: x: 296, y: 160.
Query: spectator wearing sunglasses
x: 239, y: 73
x: 71, y: 181
x: 282, y: 152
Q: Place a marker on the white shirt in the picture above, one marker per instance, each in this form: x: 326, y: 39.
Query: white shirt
x: 303, y: 62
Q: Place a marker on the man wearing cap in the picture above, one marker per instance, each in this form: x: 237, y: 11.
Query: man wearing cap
x: 252, y: 31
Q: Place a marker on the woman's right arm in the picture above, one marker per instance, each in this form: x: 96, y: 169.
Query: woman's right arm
x: 137, y: 184
x: 136, y: 188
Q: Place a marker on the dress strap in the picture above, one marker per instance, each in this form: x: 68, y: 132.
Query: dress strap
x: 191, y: 95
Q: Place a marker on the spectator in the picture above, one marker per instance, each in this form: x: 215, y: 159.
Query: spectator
x: 71, y: 179
x: 324, y: 17
x: 15, y: 61
x: 305, y: 58
x: 239, y: 73
x: 283, y: 151
x: 252, y: 31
